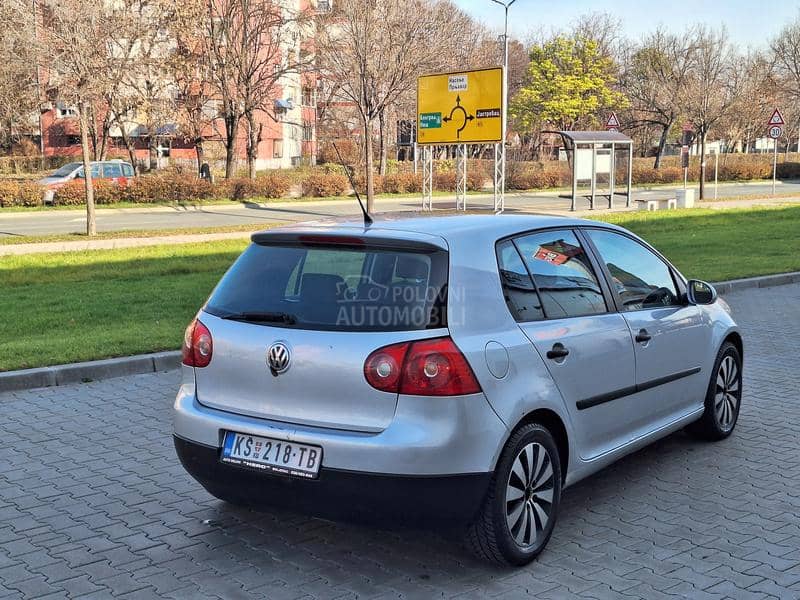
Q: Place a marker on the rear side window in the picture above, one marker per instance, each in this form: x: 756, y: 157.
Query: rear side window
x: 335, y: 288
x: 518, y: 289
x: 562, y: 273
x: 111, y: 170
x: 127, y: 170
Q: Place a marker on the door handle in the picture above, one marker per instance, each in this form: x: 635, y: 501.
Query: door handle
x: 643, y: 337
x: 558, y: 351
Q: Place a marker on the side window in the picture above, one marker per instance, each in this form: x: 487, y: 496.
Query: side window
x: 111, y: 170
x: 127, y: 170
x: 518, y: 289
x: 96, y: 171
x: 563, y: 274
x: 640, y: 278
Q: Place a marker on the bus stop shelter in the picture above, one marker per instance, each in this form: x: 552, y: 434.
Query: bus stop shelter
x: 593, y: 153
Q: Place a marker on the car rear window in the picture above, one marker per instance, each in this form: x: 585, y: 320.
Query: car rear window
x: 335, y: 288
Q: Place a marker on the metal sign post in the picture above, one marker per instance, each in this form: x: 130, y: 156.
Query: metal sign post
x: 716, y: 172
x: 461, y: 177
x: 775, y: 125
x: 499, y: 177
x: 774, y: 165
x: 427, y: 178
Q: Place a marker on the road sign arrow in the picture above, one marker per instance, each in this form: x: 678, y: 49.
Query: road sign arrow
x: 776, y: 118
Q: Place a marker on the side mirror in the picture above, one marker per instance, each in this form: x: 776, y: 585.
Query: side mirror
x: 700, y: 292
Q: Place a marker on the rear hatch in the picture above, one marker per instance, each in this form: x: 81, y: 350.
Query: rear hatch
x: 328, y: 301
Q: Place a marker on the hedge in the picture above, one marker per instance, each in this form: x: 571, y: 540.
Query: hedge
x: 328, y: 180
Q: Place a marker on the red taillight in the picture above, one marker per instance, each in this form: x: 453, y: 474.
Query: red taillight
x: 197, y: 345
x: 423, y: 368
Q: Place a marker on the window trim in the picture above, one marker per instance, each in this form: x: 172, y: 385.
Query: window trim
x: 497, y: 254
x: 597, y: 269
x: 677, y: 279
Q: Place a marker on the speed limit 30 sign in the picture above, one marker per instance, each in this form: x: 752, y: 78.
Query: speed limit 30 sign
x: 775, y: 132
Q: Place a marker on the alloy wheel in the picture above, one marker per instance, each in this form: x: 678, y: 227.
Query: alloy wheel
x: 529, y: 494
x: 727, y: 392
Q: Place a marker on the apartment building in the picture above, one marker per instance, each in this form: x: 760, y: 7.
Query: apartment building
x: 288, y: 132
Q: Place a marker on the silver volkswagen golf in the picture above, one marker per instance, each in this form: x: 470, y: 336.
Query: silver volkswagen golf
x: 457, y: 369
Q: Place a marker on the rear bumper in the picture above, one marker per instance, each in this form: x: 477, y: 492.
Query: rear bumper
x: 427, y: 436
x: 430, y: 500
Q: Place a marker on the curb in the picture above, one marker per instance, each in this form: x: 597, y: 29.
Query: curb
x: 11, y: 381
x: 734, y: 285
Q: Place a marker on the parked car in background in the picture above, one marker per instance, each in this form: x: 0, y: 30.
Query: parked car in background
x: 461, y: 368
x: 116, y: 171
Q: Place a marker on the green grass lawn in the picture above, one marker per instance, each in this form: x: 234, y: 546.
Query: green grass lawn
x: 76, y: 306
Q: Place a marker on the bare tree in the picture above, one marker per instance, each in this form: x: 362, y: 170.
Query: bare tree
x: 655, y: 79
x: 19, y: 81
x: 189, y: 69
x: 757, y: 94
x: 375, y: 49
x: 786, y: 63
x: 252, y: 47
x: 603, y: 28
x: 712, y: 87
x: 75, y: 41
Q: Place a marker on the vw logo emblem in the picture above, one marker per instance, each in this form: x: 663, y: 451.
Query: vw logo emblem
x: 278, y: 358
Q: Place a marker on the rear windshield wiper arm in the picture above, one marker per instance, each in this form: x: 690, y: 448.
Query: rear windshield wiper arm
x: 262, y: 317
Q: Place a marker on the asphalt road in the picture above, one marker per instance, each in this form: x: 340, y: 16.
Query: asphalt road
x: 94, y: 504
x: 67, y: 221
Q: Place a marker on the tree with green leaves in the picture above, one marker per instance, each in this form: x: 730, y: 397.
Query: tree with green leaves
x: 568, y: 83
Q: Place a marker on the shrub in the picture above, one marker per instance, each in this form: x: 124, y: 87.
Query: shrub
x: 321, y: 185
x: 788, y: 170
x: 70, y: 194
x: 444, y: 181
x: 242, y: 188
x: 14, y: 193
x: 476, y: 178
x: 361, y: 183
x: 274, y: 185
x: 400, y: 183
x: 8, y: 193
x: 105, y: 192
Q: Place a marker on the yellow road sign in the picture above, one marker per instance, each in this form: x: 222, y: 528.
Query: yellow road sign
x: 460, y: 108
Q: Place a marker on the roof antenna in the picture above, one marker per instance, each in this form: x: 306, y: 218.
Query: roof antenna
x: 367, y: 218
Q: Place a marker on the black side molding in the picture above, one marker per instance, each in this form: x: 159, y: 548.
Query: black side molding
x: 627, y: 391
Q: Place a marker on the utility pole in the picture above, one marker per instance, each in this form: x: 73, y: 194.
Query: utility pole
x: 501, y: 184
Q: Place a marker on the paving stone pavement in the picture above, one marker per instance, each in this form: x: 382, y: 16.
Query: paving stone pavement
x: 93, y: 503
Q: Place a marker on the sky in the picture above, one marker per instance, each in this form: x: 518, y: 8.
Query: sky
x: 750, y: 23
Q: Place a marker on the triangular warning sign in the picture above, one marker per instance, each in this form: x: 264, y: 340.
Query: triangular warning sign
x: 776, y: 118
x: 612, y: 122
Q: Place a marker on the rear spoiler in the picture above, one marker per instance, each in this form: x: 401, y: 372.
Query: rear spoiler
x: 342, y: 240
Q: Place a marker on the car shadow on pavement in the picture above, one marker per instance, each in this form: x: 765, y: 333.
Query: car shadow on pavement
x: 292, y: 547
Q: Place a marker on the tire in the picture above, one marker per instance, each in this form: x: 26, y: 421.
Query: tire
x: 723, y: 397
x: 514, y: 532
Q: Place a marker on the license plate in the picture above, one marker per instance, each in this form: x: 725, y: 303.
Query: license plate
x: 273, y: 456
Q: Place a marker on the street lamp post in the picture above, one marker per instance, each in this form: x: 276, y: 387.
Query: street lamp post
x: 501, y: 184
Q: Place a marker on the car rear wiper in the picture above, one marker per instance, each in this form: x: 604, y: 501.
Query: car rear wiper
x: 262, y: 317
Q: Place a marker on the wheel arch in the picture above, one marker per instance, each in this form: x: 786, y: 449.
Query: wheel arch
x: 555, y: 425
x: 735, y: 338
